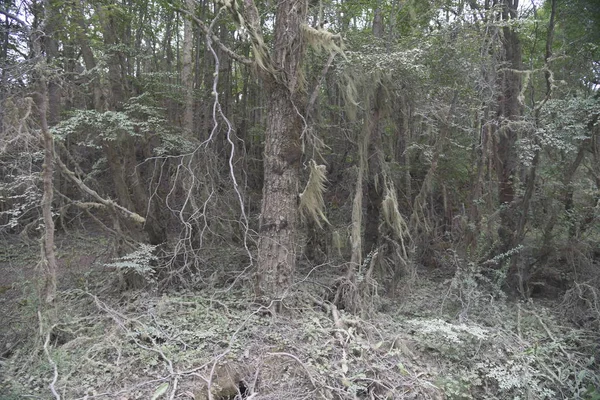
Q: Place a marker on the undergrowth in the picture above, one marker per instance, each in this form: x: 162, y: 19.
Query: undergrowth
x: 458, y: 338
x: 181, y: 344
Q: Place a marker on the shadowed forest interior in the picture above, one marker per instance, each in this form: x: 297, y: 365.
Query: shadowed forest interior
x: 300, y: 199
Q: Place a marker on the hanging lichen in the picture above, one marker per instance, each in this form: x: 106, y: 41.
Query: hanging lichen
x: 392, y: 216
x: 312, y: 204
x: 323, y: 40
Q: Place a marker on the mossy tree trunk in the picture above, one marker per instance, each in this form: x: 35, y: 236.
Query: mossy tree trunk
x: 48, y: 261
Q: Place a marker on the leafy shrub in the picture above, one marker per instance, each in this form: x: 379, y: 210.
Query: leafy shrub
x: 139, y: 262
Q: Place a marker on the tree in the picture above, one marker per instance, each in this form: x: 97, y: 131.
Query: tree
x: 283, y: 153
x: 38, y: 38
x: 508, y: 114
x: 186, y: 72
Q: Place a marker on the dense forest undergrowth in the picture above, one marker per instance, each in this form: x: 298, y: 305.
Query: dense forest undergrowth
x: 444, y: 337
x: 303, y: 199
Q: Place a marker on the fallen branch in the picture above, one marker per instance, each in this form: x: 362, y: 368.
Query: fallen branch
x: 50, y: 360
x: 312, y: 381
x: 104, y: 202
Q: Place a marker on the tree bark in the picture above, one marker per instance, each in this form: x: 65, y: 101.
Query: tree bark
x: 479, y: 158
x: 48, y: 256
x: 282, y: 156
x: 98, y: 97
x: 49, y: 261
x: 279, y: 219
x: 508, y: 113
x: 374, y: 156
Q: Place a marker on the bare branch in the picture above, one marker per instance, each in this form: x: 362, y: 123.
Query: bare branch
x: 214, y: 38
x: 52, y: 384
x: 106, y: 202
x: 17, y: 20
x: 218, y: 111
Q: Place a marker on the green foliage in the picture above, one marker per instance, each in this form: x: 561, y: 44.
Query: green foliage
x: 140, y: 261
x: 107, y: 126
x: 453, y: 340
x: 579, y: 20
x: 140, y: 119
x: 568, y: 122
x: 160, y: 390
x: 457, y: 388
x: 591, y: 394
x: 22, y: 193
x: 403, y: 64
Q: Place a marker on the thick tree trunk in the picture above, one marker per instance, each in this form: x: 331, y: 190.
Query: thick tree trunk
x: 111, y: 32
x: 508, y: 113
x: 282, y: 156
x: 279, y: 211
x: 99, y: 100
x: 374, y: 156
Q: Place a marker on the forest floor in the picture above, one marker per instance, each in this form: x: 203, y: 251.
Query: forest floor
x: 442, y: 338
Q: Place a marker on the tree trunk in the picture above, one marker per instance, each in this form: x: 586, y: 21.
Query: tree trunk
x: 279, y: 219
x: 186, y: 73
x: 480, y: 160
x: 509, y: 112
x: 117, y: 173
x: 50, y: 265
x: 111, y: 32
x: 374, y: 157
x: 48, y: 256
x: 517, y: 269
x: 282, y: 156
x: 374, y: 180
x: 51, y: 49
x: 98, y: 97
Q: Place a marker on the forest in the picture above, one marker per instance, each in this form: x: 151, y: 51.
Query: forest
x: 299, y: 199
